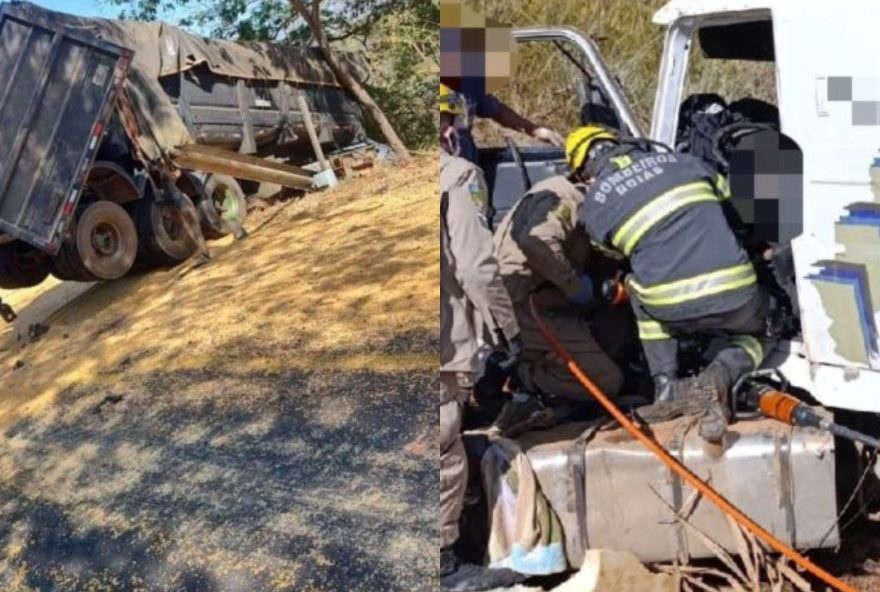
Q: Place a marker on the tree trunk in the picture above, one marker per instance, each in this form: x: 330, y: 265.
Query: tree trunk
x: 311, y: 14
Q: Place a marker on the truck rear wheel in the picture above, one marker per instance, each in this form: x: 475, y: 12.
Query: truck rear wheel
x: 63, y: 268
x: 223, y: 206
x: 22, y: 266
x: 106, y: 240
x: 66, y: 264
x: 162, y: 236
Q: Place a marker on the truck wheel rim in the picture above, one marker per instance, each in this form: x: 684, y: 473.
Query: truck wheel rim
x: 105, y: 239
x: 226, y: 203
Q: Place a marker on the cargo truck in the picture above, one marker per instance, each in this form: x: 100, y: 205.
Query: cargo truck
x: 95, y: 112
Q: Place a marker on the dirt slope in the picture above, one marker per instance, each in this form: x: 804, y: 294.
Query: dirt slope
x: 263, y: 423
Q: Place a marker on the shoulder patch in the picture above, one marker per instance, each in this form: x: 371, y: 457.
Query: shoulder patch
x: 562, y: 212
x: 478, y: 193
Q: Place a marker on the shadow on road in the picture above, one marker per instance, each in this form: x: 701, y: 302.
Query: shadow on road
x: 211, y: 481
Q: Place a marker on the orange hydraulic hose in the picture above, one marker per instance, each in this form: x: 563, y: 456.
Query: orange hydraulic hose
x: 673, y: 463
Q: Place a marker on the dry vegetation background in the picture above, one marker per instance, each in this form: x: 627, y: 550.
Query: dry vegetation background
x: 544, y: 87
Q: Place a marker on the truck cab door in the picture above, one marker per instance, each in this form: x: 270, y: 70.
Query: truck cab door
x: 600, y: 98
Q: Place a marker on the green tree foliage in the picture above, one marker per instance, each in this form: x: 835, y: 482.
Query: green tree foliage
x: 398, y: 37
x: 406, y: 80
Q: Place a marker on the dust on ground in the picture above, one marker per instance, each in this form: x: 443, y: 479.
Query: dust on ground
x: 263, y: 423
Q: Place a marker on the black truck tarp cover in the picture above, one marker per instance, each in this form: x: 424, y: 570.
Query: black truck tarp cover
x: 162, y: 49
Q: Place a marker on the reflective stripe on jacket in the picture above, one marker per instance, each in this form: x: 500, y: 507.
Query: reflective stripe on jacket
x: 663, y: 212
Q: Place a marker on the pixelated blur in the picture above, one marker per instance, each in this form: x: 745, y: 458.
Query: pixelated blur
x: 862, y: 93
x: 766, y: 180
x: 476, y: 53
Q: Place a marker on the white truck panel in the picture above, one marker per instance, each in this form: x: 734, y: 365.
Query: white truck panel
x: 828, y: 87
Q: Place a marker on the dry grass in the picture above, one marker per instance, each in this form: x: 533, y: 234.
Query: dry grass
x: 753, y: 568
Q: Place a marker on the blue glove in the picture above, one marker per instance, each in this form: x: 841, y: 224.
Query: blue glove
x: 585, y: 294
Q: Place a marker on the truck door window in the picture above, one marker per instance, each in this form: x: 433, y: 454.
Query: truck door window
x: 730, y: 119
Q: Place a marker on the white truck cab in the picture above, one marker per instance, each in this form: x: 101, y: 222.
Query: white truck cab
x: 828, y: 94
x: 828, y: 107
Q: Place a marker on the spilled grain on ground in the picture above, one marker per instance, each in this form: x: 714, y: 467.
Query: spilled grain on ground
x: 263, y: 423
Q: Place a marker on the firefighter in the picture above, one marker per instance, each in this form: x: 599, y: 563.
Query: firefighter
x: 469, y: 284
x: 668, y: 215
x: 489, y: 106
x: 542, y: 248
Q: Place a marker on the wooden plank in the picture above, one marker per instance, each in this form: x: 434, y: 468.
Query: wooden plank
x: 248, y: 158
x: 310, y: 130
x: 243, y: 166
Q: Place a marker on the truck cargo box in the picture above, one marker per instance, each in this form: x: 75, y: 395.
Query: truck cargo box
x: 58, y: 89
x: 261, y: 116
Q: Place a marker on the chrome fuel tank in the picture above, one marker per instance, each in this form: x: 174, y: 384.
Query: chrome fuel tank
x: 610, y: 492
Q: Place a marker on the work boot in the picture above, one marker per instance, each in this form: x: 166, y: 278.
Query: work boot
x: 465, y: 577
x: 520, y: 414
x: 703, y: 395
x: 713, y: 422
x: 716, y: 382
x: 672, y: 399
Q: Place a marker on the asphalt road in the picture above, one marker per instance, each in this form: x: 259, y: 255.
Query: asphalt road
x: 207, y: 482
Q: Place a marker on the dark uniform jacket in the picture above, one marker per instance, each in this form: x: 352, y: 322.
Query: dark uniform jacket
x: 664, y: 212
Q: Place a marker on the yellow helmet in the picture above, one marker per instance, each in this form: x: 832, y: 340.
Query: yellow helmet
x: 579, y: 142
x: 450, y: 101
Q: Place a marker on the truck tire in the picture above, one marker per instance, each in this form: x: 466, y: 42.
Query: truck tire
x: 106, y: 240
x: 222, y: 207
x: 162, y: 239
x: 22, y: 266
x: 66, y: 264
x: 61, y: 267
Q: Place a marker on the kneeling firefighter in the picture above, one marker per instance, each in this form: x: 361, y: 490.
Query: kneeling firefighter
x: 544, y: 253
x: 668, y: 214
